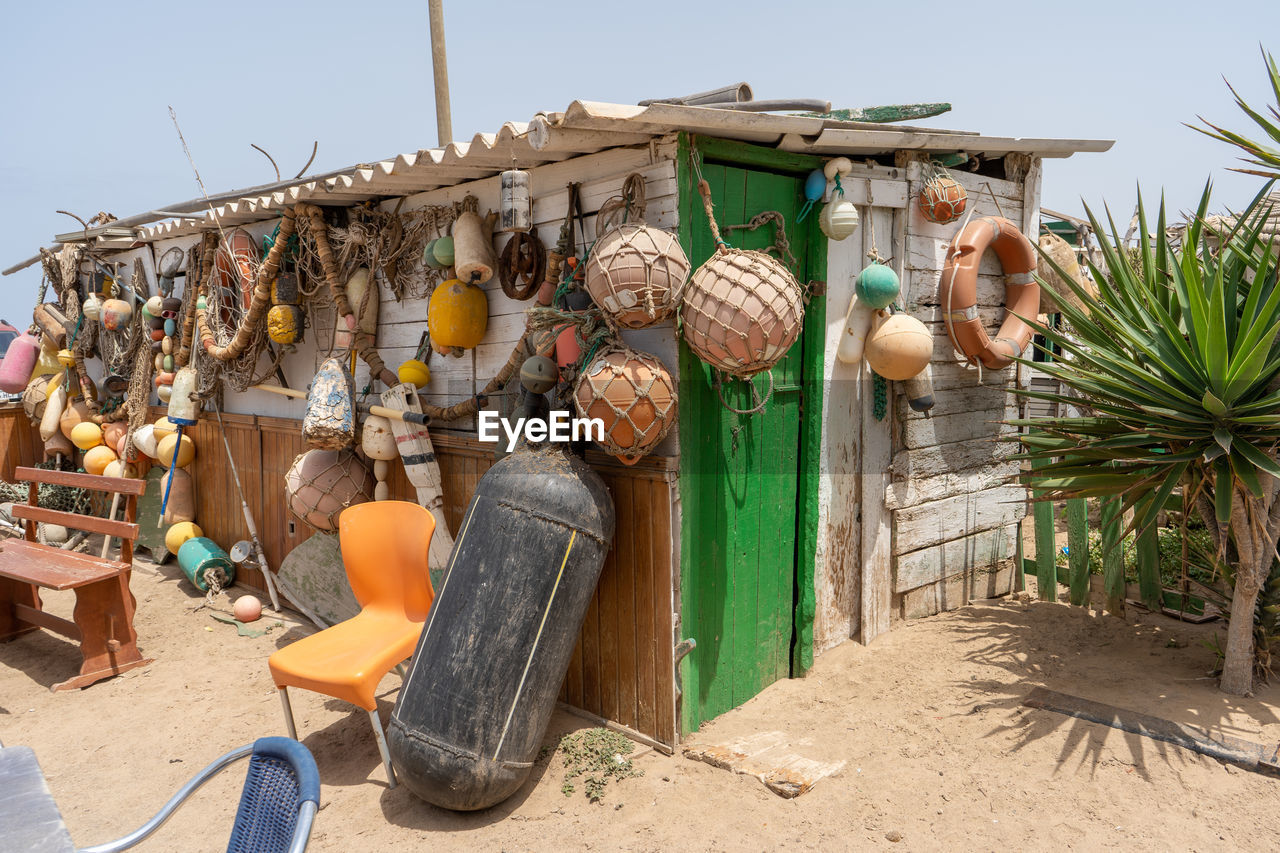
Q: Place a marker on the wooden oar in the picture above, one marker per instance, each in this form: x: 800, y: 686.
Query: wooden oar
x: 382, y: 411
x: 420, y: 465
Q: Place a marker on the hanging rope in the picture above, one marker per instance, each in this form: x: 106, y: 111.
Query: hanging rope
x: 719, y: 379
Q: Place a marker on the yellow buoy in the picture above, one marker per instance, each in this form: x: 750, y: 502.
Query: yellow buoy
x: 86, y: 435
x: 120, y: 468
x: 415, y: 372
x: 164, y: 450
x: 899, y: 347
x: 285, y: 323
x: 96, y: 459
x: 180, y: 533
x: 457, y: 315
x: 164, y: 428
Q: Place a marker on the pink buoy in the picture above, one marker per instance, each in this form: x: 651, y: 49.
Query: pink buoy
x: 19, y: 361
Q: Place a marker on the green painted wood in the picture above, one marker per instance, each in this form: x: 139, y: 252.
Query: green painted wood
x: 886, y: 114
x: 746, y: 155
x: 742, y: 598
x: 813, y: 343
x: 1046, y: 546
x: 1112, y: 556
x: 1078, y: 549
x: 1148, y: 547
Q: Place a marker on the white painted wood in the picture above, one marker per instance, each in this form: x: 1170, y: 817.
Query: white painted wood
x: 943, y: 520
x: 877, y: 450
x: 957, y: 456
x: 938, y: 562
x: 838, y: 565
x: 911, y: 491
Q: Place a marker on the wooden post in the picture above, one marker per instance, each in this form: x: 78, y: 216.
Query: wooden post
x: 1078, y: 549
x: 440, y: 72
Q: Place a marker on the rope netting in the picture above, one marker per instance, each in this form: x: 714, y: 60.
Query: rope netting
x: 633, y: 395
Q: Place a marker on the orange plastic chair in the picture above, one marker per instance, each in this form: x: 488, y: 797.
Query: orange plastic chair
x: 384, y: 549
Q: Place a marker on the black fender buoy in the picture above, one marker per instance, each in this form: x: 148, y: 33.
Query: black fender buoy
x: 484, y: 679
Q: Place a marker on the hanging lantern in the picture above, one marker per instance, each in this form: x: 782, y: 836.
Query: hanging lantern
x: 877, y: 285
x: 515, y: 206
x: 742, y: 311
x: 633, y: 394
x: 457, y: 315
x: 322, y: 483
x: 899, y: 347
x: 634, y: 272
x: 942, y: 199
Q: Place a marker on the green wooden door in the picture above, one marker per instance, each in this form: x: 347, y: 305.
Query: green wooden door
x: 741, y: 476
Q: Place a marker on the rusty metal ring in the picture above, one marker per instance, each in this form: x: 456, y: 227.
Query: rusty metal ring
x: 522, y: 266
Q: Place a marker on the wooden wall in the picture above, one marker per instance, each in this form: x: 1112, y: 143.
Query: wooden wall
x: 954, y: 505
x: 622, y: 668
x: 19, y: 439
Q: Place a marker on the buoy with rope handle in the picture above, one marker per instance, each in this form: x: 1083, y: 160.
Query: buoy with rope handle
x: 958, y: 291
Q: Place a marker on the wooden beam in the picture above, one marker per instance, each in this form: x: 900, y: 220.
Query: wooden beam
x: 1260, y: 758
x: 91, y: 523
x: 34, y: 616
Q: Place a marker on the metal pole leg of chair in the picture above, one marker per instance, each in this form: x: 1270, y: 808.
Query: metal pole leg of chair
x: 288, y: 712
x: 382, y: 747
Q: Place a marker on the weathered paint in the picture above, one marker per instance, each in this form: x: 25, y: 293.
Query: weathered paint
x: 746, y: 579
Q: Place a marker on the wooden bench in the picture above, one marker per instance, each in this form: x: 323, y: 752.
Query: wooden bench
x: 103, y: 623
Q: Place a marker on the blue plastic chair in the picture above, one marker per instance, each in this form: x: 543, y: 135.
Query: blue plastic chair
x: 277, y: 805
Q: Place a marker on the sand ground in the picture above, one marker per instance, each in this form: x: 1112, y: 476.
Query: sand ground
x: 938, y: 752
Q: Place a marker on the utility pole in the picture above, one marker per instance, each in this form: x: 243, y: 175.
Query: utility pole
x: 440, y: 71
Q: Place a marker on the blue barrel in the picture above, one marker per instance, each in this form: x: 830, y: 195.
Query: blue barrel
x: 200, y: 555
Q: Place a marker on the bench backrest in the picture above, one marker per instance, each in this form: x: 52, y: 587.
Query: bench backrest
x: 129, y: 490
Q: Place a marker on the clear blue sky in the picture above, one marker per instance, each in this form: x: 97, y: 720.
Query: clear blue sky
x: 87, y: 85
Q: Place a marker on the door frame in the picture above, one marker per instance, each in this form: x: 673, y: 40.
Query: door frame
x: 691, y: 216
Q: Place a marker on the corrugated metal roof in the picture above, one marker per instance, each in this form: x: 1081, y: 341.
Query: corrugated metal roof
x: 586, y: 127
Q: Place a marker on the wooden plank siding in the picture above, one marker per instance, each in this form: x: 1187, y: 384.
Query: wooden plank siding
x: 20, y: 440
x: 954, y: 498
x: 622, y: 668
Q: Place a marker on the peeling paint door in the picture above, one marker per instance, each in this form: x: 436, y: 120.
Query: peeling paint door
x: 740, y: 476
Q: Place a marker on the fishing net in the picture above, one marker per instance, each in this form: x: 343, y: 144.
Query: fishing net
x: 742, y: 309
x: 942, y: 199
x: 633, y: 395
x: 62, y: 498
x: 320, y: 484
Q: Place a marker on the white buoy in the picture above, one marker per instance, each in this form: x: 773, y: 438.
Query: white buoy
x: 857, y: 325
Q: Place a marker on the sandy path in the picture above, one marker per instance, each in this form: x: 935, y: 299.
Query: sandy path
x: 937, y: 748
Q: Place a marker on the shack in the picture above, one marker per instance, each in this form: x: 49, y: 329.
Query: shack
x: 765, y: 538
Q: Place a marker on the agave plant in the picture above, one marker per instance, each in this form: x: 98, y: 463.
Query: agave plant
x: 1176, y: 365
x: 1262, y: 155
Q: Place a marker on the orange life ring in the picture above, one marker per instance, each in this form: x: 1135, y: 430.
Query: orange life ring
x: 958, y: 291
